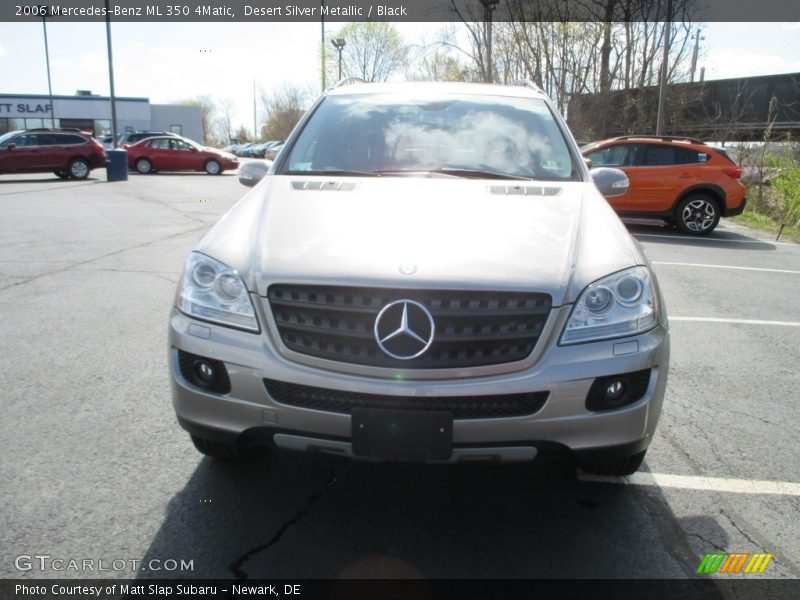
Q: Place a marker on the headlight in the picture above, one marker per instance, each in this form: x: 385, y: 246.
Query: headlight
x: 214, y: 292
x: 619, y: 305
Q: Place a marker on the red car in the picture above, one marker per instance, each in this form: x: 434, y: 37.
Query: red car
x: 171, y: 153
x: 70, y: 154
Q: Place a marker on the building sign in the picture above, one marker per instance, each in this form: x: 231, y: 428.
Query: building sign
x: 10, y: 107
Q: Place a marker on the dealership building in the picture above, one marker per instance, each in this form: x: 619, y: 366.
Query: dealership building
x: 89, y: 112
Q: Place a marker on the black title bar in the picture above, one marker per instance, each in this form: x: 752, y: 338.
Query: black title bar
x: 169, y: 11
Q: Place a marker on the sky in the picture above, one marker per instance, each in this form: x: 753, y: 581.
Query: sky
x: 168, y: 62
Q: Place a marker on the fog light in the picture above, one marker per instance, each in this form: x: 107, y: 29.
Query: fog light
x: 615, y: 390
x: 205, y: 371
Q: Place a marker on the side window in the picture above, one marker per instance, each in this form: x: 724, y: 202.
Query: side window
x: 70, y: 139
x: 26, y: 140
x: 658, y: 156
x: 685, y: 156
x: 620, y: 155
x: 47, y: 139
x: 179, y: 145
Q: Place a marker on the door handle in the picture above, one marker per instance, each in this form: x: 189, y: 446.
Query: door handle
x: 685, y: 176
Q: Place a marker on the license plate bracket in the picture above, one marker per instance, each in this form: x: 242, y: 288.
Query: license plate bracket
x: 404, y: 435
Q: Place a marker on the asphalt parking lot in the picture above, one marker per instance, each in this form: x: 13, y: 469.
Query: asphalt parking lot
x: 95, y: 466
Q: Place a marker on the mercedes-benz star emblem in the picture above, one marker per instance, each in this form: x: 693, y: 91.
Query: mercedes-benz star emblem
x: 404, y: 329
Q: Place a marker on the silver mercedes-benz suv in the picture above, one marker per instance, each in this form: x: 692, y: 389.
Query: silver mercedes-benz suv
x: 427, y: 272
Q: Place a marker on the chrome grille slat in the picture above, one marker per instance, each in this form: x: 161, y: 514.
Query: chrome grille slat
x: 473, y: 328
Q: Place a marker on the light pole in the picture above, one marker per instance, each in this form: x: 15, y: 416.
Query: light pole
x: 111, y: 80
x: 697, y: 39
x: 322, y: 43
x: 488, y: 9
x: 664, y: 66
x: 49, y: 85
x: 339, y: 44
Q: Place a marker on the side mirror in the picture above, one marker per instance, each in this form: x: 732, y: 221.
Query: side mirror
x: 251, y: 172
x: 610, y: 182
x: 192, y: 149
x: 11, y: 146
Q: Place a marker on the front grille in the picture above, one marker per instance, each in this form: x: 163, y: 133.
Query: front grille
x: 462, y: 407
x: 472, y: 328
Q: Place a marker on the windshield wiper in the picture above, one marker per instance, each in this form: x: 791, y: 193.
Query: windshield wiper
x: 456, y: 172
x: 335, y: 172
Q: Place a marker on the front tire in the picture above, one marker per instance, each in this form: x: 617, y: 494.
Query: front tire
x: 697, y: 214
x: 78, y: 168
x: 144, y: 166
x: 220, y: 451
x: 212, y: 167
x: 626, y: 465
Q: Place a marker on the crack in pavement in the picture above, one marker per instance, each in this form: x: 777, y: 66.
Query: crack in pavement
x: 777, y: 558
x: 707, y: 541
x: 96, y: 258
x: 236, y: 567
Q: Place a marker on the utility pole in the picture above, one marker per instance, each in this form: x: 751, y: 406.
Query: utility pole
x: 664, y: 68
x: 488, y: 8
x: 49, y: 85
x: 111, y: 78
x: 255, y: 134
x: 697, y: 39
x: 322, y: 42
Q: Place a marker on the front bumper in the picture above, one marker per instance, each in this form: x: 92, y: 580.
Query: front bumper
x: 249, y: 415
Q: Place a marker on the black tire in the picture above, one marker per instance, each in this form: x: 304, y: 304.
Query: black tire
x: 626, y: 465
x: 144, y: 166
x: 61, y: 174
x: 212, y: 167
x: 697, y: 214
x: 78, y: 168
x: 220, y: 451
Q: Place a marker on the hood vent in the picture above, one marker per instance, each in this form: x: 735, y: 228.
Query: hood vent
x: 524, y: 190
x: 315, y: 185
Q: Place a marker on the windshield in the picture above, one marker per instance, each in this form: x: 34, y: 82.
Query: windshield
x: 7, y: 136
x: 373, y: 134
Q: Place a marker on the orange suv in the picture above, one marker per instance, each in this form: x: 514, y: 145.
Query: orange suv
x: 681, y: 180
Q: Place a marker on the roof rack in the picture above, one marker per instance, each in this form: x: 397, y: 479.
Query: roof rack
x: 56, y: 129
x: 348, y: 81
x: 663, y: 138
x: 528, y: 83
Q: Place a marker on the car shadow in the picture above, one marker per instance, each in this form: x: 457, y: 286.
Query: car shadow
x: 182, y: 173
x: 657, y: 233
x: 299, y: 516
x: 4, y: 181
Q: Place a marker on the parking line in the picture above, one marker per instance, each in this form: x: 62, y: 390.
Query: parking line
x: 704, y: 266
x: 740, y: 321
x: 706, y: 239
x: 696, y: 482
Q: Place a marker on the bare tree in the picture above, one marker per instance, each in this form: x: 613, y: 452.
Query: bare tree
x: 282, y: 109
x: 373, y: 51
x: 207, y: 112
x: 227, y: 107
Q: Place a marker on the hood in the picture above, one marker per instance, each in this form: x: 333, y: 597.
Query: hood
x: 452, y: 233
